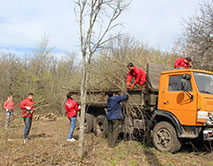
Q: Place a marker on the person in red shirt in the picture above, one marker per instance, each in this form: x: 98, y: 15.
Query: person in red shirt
x: 9, y: 107
x: 27, y: 105
x: 183, y: 63
x: 71, y: 107
x: 138, y: 74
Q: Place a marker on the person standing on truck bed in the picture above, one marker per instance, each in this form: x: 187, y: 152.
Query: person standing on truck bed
x: 138, y: 74
x: 183, y: 63
x: 114, y: 117
x: 71, y: 107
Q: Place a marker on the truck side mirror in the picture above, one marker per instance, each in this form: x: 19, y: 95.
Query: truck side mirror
x: 185, y: 85
x: 185, y: 82
x: 186, y: 77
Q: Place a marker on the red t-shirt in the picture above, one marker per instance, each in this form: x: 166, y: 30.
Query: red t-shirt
x: 180, y: 63
x: 71, y: 107
x: 138, y: 74
x: 27, y: 103
x: 9, y: 105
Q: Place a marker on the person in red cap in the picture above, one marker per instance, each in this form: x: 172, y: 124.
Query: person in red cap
x: 9, y: 107
x: 27, y: 105
x: 137, y: 73
x: 183, y: 63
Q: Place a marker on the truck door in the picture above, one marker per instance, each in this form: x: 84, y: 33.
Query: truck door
x: 176, y: 101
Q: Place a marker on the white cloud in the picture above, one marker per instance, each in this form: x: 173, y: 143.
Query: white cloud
x: 23, y: 22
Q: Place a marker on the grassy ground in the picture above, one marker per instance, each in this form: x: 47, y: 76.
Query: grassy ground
x: 48, y: 146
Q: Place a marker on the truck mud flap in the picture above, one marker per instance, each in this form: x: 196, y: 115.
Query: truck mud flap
x: 208, y: 134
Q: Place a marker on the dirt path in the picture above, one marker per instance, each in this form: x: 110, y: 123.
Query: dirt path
x: 48, y: 146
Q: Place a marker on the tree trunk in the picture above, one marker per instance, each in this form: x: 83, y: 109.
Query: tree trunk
x: 83, y: 107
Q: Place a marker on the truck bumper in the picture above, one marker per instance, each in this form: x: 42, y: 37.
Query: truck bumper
x: 208, y: 134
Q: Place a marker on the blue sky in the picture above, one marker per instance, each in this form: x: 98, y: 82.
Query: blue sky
x: 24, y: 22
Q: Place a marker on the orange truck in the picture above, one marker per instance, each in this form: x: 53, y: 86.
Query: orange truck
x: 185, y: 108
x: 181, y: 107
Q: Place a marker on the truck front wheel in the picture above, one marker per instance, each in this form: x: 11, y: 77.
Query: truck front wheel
x: 165, y: 138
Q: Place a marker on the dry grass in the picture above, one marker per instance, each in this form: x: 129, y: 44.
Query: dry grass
x: 48, y: 146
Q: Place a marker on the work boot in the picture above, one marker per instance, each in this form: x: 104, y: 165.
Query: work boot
x: 26, y: 140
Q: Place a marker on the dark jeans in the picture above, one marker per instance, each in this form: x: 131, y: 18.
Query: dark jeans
x: 113, y: 132
x: 27, y: 122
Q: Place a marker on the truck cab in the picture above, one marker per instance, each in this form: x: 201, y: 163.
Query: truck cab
x: 185, y: 101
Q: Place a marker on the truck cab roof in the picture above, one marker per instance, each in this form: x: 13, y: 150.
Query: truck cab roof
x: 185, y: 70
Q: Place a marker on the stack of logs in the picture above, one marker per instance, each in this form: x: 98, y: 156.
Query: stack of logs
x: 47, y: 117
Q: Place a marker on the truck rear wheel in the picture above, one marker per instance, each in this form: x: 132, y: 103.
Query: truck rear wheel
x: 89, y: 121
x: 101, y: 126
x: 165, y: 138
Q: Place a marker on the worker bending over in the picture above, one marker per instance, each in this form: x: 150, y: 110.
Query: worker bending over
x: 183, y: 63
x: 138, y: 74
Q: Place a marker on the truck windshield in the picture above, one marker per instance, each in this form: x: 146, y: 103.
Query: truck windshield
x: 204, y: 82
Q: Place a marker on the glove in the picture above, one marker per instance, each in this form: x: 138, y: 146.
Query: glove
x: 31, y: 111
x: 132, y: 86
x: 79, y: 107
x: 28, y: 108
x: 128, y: 84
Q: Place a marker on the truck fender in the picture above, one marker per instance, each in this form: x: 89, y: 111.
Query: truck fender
x: 171, y: 117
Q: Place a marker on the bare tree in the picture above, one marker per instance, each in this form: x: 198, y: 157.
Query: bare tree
x: 97, y: 18
x: 197, y: 40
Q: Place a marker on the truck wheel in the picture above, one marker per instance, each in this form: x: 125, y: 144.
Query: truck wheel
x: 165, y: 138
x: 101, y: 126
x: 89, y: 121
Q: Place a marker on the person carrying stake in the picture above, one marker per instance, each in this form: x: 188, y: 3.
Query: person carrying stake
x: 27, y: 105
x: 9, y: 107
x: 138, y: 74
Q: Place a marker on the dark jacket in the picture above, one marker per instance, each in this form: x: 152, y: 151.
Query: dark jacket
x: 113, y: 107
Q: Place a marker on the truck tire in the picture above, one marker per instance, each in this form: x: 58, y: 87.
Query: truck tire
x: 101, y: 126
x: 88, y: 123
x: 165, y: 138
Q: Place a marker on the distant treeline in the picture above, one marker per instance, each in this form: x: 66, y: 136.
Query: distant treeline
x: 50, y: 78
